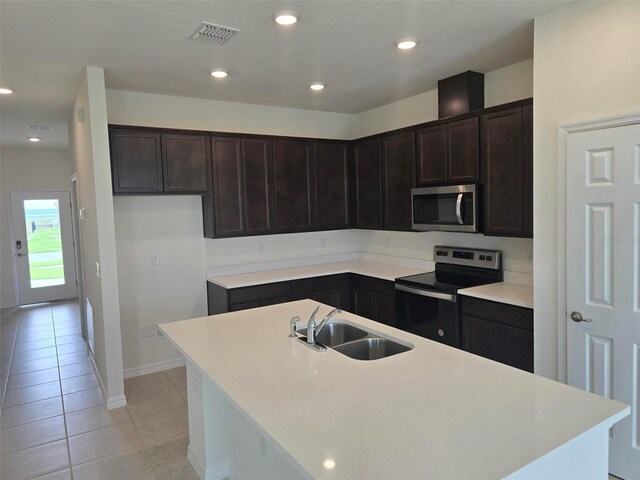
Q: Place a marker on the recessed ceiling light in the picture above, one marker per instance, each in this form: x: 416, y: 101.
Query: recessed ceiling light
x: 285, y: 18
x: 5, y: 91
x: 219, y: 73
x: 316, y: 86
x: 406, y: 44
x: 34, y: 139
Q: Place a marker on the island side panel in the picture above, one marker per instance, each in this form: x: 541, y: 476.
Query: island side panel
x: 585, y: 457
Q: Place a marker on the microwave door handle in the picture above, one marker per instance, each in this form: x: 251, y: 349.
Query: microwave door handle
x: 459, y: 209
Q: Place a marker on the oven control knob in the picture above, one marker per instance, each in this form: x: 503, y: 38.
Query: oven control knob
x: 489, y: 258
x: 441, y: 332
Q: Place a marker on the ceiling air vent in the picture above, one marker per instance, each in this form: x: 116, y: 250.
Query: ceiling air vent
x: 213, y: 34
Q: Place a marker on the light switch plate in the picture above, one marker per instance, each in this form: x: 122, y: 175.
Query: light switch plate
x: 155, y: 259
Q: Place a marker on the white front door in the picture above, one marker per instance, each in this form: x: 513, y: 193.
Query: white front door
x: 43, y: 246
x: 603, y: 278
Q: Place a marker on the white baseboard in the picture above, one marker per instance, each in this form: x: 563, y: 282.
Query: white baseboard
x: 154, y: 367
x: 112, y: 402
x: 221, y: 472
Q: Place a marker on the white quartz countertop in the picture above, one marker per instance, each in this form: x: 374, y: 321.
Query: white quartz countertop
x: 385, y: 271
x: 503, y: 292
x: 432, y: 412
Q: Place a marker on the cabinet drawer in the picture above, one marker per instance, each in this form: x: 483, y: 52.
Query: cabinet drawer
x: 281, y: 290
x: 510, y: 315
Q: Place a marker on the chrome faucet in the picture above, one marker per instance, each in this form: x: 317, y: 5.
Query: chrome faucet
x: 313, y: 330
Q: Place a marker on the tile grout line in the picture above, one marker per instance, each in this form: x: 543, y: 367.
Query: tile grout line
x: 64, y: 410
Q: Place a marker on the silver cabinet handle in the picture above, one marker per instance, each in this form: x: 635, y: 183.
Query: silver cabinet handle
x: 577, y: 317
x: 459, y: 209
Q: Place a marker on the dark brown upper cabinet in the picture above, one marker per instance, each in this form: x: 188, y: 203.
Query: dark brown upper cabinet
x: 242, y: 188
x: 527, y: 171
x: 398, y: 167
x: 448, y: 153
x: 136, y: 161
x: 331, y: 185
x: 463, y: 151
x: 257, y: 178
x: 367, y: 184
x: 147, y: 161
x: 292, y: 181
x: 431, y: 163
x: 503, y: 172
x: 185, y: 160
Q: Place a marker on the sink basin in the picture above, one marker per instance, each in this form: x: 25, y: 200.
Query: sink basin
x: 371, y: 348
x: 335, y: 333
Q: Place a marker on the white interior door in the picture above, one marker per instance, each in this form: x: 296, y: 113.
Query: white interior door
x: 603, y: 278
x: 43, y: 246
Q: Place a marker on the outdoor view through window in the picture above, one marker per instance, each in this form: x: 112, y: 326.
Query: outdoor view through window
x: 44, y: 242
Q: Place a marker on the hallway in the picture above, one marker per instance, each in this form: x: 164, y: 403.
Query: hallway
x: 54, y: 424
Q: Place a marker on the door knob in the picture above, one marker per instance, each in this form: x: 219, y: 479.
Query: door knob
x: 20, y: 254
x: 577, y: 317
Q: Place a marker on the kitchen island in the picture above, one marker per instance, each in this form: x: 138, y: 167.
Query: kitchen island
x: 265, y: 406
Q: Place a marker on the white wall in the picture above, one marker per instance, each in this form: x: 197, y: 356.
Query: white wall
x: 148, y: 109
x: 89, y: 145
x: 152, y: 294
x: 28, y: 167
x: 586, y: 67
x: 132, y: 214
x: 513, y: 82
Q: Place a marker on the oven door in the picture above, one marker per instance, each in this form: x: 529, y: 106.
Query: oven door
x: 453, y: 209
x: 433, y: 315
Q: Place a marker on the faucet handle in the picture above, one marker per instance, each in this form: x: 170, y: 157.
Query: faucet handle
x: 292, y: 326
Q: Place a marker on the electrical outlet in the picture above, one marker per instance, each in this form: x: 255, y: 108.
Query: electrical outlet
x: 323, y: 242
x: 98, y: 269
x: 387, y: 242
x: 263, y: 446
x: 261, y: 248
x: 530, y: 256
x: 147, y: 331
x: 155, y: 259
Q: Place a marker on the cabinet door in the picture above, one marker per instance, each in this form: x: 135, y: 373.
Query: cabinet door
x: 398, y: 180
x: 516, y: 348
x: 331, y: 290
x: 527, y: 171
x: 481, y: 337
x: 463, y: 148
x: 257, y: 186
x: 364, y: 303
x: 292, y: 174
x: 227, y: 186
x: 368, y: 185
x: 331, y: 185
x: 431, y: 164
x: 385, y: 311
x: 136, y: 161
x: 185, y: 160
x: 502, y: 158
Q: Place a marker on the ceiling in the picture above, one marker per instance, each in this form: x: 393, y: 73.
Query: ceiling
x: 348, y: 45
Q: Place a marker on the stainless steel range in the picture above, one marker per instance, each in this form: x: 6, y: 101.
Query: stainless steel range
x: 427, y: 304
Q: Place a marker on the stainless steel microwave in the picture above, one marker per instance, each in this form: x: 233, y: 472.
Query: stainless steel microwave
x: 449, y: 209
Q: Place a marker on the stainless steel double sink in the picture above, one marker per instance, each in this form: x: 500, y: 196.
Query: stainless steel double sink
x: 355, y: 342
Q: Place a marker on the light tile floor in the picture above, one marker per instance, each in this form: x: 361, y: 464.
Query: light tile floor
x: 54, y: 424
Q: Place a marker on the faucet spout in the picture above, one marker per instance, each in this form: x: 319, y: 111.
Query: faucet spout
x: 311, y: 327
x: 326, y: 319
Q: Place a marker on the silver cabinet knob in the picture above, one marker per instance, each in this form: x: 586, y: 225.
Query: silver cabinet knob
x: 577, y: 317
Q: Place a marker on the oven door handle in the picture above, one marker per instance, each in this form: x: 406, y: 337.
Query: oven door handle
x: 459, y: 209
x: 427, y: 293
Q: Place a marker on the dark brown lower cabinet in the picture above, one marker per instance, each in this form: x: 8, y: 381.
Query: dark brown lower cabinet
x: 334, y: 290
x: 374, y: 298
x: 498, y: 331
x: 365, y: 296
